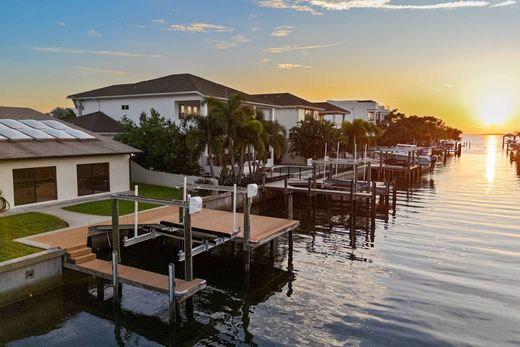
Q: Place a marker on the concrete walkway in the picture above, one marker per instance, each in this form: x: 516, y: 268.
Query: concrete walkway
x: 74, y: 219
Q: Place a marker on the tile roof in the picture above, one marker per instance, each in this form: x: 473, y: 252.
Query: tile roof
x: 11, y: 150
x: 330, y: 108
x: 98, y: 122
x: 177, y: 83
x: 287, y: 100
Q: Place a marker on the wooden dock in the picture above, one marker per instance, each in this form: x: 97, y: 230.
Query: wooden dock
x: 139, y: 278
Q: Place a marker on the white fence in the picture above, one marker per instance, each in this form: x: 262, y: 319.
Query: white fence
x: 141, y: 175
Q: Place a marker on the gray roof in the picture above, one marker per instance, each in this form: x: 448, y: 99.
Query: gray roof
x: 9, y: 112
x: 178, y: 83
x: 33, y: 149
x: 329, y: 108
x: 98, y: 122
x: 287, y: 100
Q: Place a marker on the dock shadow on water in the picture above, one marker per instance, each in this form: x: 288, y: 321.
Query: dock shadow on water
x: 442, y: 271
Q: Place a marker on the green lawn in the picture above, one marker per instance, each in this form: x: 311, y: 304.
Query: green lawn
x: 104, y: 207
x: 21, y: 225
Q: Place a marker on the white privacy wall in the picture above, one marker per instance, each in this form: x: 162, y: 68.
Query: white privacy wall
x: 66, y: 174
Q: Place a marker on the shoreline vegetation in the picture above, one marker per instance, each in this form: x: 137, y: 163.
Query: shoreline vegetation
x: 235, y: 136
x: 21, y: 225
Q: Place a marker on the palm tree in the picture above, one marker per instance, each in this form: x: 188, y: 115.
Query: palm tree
x: 359, y: 132
x: 249, y: 135
x: 235, y: 114
x: 207, y: 130
x: 274, y: 136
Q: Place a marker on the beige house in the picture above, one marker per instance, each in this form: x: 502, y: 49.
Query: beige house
x: 45, y: 160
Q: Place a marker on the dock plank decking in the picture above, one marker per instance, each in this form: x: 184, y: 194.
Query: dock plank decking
x: 140, y: 278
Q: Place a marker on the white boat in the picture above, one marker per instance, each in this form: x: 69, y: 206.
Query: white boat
x: 402, y: 152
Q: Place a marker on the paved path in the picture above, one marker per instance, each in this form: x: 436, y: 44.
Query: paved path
x: 74, y: 219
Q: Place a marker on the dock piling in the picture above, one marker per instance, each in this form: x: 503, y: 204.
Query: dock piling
x: 247, y: 235
x: 116, y: 245
x: 115, y: 282
x: 100, y: 289
x: 171, y: 293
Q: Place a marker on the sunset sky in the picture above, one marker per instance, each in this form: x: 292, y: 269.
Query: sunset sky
x: 456, y: 60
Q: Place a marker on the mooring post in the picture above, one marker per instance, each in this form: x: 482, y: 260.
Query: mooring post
x: 373, y: 205
x: 394, y: 197
x: 314, y: 175
x: 290, y: 216
x: 355, y: 177
x: 100, y: 287
x: 290, y: 206
x: 369, y: 176
x: 171, y: 293
x: 247, y: 235
x: 188, y: 258
x: 380, y: 164
x: 115, y: 282
x: 115, y: 228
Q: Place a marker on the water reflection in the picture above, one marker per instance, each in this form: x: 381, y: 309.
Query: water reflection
x: 491, y: 152
x: 442, y: 271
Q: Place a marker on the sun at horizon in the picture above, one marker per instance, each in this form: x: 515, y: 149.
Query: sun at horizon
x: 494, y: 109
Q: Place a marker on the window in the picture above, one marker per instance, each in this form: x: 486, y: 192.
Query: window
x: 182, y: 111
x: 34, y: 185
x: 93, y: 178
x: 370, y: 116
x: 125, y: 107
x: 195, y: 110
x: 308, y: 113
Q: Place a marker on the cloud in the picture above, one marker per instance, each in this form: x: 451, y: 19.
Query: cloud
x: 315, y: 6
x: 88, y: 71
x: 504, y: 3
x: 94, y: 33
x: 159, y: 21
x: 200, y: 28
x: 233, y: 41
x: 304, y: 49
x: 60, y: 24
x: 282, y: 31
x: 293, y: 66
x: 80, y: 51
x: 290, y: 4
x: 264, y: 61
x: 141, y: 26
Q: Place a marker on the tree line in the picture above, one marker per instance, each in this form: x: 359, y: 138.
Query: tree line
x: 236, y: 134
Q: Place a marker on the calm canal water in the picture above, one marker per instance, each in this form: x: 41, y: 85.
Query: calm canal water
x: 444, y: 271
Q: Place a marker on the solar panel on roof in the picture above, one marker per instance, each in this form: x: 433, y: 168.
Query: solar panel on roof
x: 55, y: 124
x: 24, y: 128
x: 59, y: 134
x: 3, y: 138
x: 79, y: 134
x: 74, y: 132
x: 12, y: 134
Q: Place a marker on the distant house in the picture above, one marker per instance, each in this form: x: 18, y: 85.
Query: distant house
x: 43, y: 159
x: 332, y: 113
x: 173, y: 96
x: 368, y: 110
x: 289, y: 109
x: 99, y: 123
